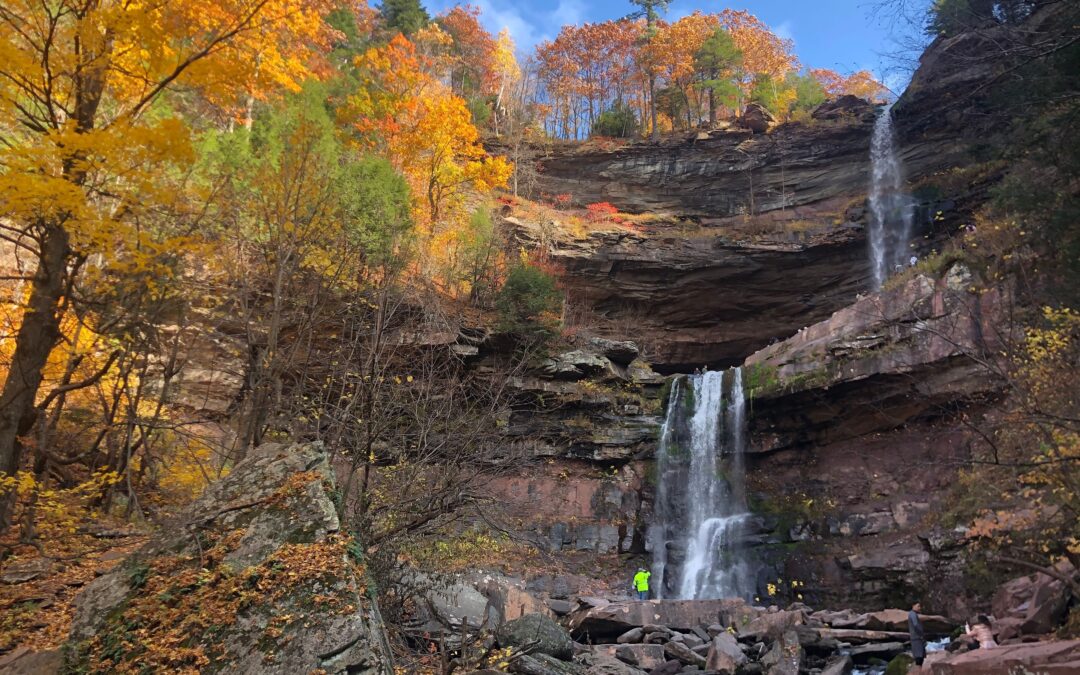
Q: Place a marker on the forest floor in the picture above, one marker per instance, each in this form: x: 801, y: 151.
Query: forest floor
x: 38, y: 587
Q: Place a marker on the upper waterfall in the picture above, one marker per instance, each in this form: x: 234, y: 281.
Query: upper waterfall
x: 891, y: 209
x: 701, y: 500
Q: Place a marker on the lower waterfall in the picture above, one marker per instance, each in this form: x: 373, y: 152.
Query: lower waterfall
x: 700, y: 511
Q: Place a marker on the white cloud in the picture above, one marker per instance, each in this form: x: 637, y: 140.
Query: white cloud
x: 785, y: 30
x: 567, y: 12
x: 499, y: 14
x: 527, y: 24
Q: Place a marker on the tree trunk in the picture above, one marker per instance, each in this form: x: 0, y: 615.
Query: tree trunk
x: 652, y: 105
x: 37, y: 335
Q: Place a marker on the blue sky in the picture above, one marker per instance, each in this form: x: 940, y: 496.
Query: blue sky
x: 840, y: 34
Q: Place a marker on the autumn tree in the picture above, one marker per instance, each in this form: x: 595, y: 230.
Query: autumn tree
x: 763, y: 52
x: 862, y: 84
x: 585, y: 69
x: 671, y: 54
x: 507, y: 74
x: 403, y: 113
x: 303, y: 220
x: 651, y: 10
x: 653, y: 64
x: 83, y: 152
x: 473, y: 71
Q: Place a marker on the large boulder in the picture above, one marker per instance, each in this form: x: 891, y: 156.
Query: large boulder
x: 896, y: 620
x: 785, y: 657
x: 544, y: 664
x: 725, y: 656
x: 645, y: 657
x: 756, y: 118
x: 596, y: 663
x: 539, y: 633
x: 770, y: 625
x: 1045, y: 658
x: 22, y: 661
x: 838, y: 665
x: 255, y: 576
x: 876, y: 651
x: 474, y: 599
x: 846, y: 106
x: 622, y: 352
x: 682, y: 653
x: 858, y: 637
x: 613, y: 619
x: 1032, y: 605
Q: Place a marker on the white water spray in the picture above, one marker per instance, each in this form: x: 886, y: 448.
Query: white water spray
x: 891, y: 209
x: 701, y: 503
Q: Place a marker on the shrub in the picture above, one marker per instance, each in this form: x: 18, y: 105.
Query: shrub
x: 601, y: 211
x: 528, y: 302
x: 618, y: 121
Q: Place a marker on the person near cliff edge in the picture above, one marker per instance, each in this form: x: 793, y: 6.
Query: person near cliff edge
x: 918, y: 635
x: 641, y: 583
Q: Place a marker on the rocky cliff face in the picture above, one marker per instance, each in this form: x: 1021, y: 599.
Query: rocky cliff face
x: 857, y: 432
x: 711, y: 296
x: 911, y: 351
x: 858, y: 401
x: 721, y: 173
x: 771, y: 237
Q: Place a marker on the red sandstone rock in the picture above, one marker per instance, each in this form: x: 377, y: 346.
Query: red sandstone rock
x: 1031, y: 605
x: 616, y: 618
x: 1045, y: 658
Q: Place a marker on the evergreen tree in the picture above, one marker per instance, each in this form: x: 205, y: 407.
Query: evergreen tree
x: 618, y: 121
x: 716, y: 62
x: 406, y: 16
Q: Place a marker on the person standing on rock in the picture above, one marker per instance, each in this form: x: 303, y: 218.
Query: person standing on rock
x: 918, y: 635
x: 641, y: 583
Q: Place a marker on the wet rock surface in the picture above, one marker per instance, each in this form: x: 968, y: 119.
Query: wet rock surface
x: 616, y: 618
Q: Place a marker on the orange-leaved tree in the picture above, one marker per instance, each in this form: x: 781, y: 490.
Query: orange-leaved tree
x: 473, y: 69
x: 402, y: 112
x: 89, y: 160
x: 671, y: 53
x: 862, y: 84
x: 764, y: 53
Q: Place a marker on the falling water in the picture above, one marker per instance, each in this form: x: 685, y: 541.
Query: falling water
x: 891, y: 209
x: 701, y: 502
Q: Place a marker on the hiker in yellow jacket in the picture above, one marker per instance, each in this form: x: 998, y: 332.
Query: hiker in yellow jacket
x: 641, y: 583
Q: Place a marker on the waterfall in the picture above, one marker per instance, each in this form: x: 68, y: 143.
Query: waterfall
x: 700, y: 511
x: 891, y: 209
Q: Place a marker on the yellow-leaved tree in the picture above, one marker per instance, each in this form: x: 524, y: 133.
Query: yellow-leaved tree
x: 401, y: 111
x: 89, y: 165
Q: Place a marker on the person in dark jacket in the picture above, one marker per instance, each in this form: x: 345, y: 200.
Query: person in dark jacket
x: 918, y: 635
